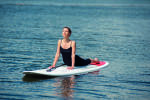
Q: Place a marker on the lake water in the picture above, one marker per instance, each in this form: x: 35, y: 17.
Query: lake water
x: 116, y: 31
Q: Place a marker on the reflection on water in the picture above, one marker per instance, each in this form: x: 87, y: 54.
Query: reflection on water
x: 95, y: 72
x: 64, y: 87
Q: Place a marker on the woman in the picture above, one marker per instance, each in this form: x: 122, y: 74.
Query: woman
x: 67, y: 48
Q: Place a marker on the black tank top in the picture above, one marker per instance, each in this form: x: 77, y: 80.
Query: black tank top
x: 66, y: 54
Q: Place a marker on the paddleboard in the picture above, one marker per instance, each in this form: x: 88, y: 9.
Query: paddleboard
x: 63, y: 71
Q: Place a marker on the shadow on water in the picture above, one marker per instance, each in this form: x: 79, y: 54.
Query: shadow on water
x: 36, y: 78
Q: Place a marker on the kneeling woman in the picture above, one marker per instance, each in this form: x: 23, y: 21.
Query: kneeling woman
x: 67, y: 48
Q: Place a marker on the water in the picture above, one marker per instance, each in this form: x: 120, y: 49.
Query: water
x: 115, y: 31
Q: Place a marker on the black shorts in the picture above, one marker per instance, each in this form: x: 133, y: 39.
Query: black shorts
x: 81, y: 62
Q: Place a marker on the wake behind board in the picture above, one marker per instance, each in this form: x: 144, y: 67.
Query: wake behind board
x: 63, y: 71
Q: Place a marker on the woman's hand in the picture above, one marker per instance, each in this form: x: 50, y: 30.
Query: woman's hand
x: 70, y: 68
x: 51, y: 67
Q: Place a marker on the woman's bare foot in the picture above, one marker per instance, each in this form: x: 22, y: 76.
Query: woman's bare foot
x: 95, y: 60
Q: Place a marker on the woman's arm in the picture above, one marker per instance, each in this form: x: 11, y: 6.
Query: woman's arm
x: 73, y: 54
x: 57, y: 53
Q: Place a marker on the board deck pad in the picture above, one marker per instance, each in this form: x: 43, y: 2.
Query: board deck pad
x: 63, y: 71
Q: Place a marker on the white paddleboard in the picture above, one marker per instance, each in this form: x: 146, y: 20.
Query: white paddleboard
x: 63, y: 71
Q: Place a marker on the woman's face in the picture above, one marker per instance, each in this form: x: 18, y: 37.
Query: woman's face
x: 65, y: 33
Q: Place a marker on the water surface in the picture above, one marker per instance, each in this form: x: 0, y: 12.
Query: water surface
x: 117, y: 32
